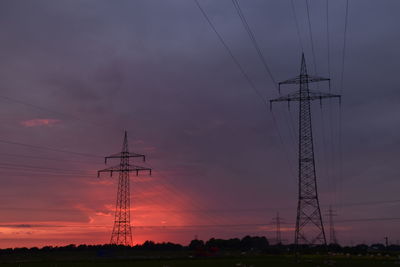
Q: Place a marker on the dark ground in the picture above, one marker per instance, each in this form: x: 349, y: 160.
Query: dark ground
x: 233, y: 261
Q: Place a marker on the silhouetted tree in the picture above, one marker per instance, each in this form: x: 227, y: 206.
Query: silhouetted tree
x: 196, y: 244
x: 251, y: 243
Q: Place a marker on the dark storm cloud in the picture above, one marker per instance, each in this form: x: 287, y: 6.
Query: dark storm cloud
x: 156, y: 69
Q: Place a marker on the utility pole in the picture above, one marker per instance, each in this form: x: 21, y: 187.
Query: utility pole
x: 309, y: 225
x: 122, y: 234
x: 332, y: 232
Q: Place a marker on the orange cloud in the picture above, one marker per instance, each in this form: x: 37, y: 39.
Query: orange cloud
x: 159, y: 212
x: 39, y: 122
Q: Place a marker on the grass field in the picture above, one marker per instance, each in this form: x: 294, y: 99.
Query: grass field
x: 258, y: 261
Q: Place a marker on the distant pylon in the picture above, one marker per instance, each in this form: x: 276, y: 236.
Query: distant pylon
x: 309, y: 225
x: 277, y: 221
x: 122, y: 234
x: 332, y: 232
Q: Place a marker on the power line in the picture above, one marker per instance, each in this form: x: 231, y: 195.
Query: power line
x: 206, y: 225
x: 254, y: 41
x: 44, y: 158
x: 252, y: 85
x: 281, y: 140
x: 19, y: 166
x: 184, y: 201
x: 344, y: 44
x: 39, y: 174
x: 36, y: 171
x: 221, y: 39
x: 325, y: 146
x: 379, y: 219
x: 340, y: 148
x: 328, y: 39
x: 370, y: 203
x: 262, y: 58
x: 49, y: 149
x: 379, y: 202
x: 311, y: 38
x: 34, y: 106
x: 288, y: 118
x: 265, y: 224
x: 28, y: 171
x: 297, y: 25
x: 332, y: 147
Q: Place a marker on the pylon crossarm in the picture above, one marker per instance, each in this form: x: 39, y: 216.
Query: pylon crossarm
x: 110, y: 170
x: 125, y: 155
x: 304, y: 79
x: 290, y: 81
x: 298, y: 96
x: 126, y: 168
x: 289, y: 97
x: 313, y: 79
x: 138, y: 169
x: 320, y: 95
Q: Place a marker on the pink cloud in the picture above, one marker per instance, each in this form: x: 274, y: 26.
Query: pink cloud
x: 39, y: 122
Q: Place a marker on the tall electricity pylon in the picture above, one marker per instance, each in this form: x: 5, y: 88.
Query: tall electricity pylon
x: 332, y: 232
x: 122, y: 234
x: 309, y: 225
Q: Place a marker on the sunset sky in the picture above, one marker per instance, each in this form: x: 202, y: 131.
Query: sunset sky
x: 76, y: 74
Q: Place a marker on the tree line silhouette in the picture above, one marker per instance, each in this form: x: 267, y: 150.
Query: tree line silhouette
x: 247, y: 245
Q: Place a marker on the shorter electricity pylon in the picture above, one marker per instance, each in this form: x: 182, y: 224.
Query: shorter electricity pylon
x: 122, y: 234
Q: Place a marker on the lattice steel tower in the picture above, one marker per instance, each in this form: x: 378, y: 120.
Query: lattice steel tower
x: 277, y: 221
x: 309, y: 225
x: 122, y: 234
x: 332, y: 232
